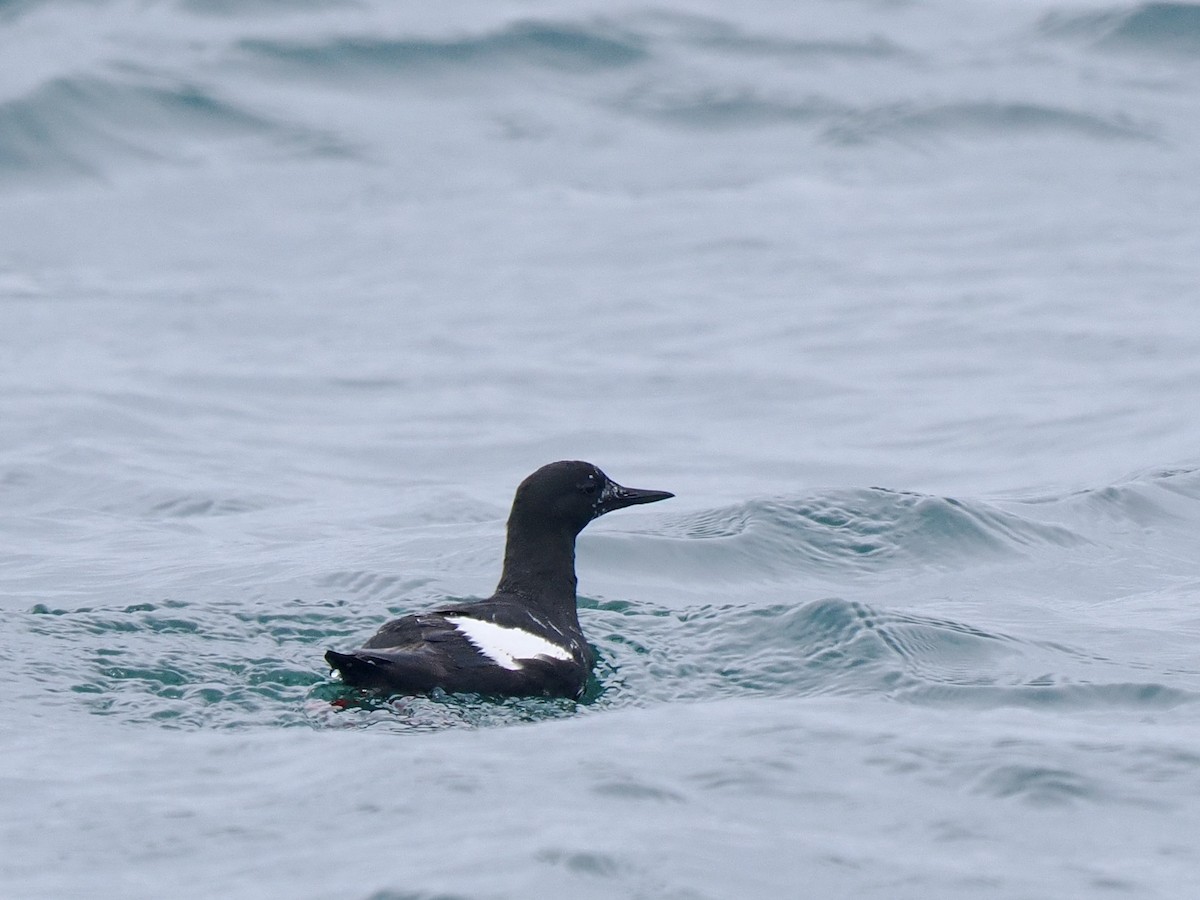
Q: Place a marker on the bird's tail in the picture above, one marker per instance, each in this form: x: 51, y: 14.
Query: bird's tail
x: 396, y: 672
x: 359, y: 669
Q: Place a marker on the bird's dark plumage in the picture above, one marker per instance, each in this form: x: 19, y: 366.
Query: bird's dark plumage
x: 525, y: 639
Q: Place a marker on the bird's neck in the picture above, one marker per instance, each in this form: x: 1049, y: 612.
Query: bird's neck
x: 539, y: 567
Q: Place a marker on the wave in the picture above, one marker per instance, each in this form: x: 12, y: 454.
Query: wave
x: 1039, y: 785
x: 730, y: 107
x: 687, y: 73
x: 192, y: 505
x: 842, y: 647
x: 558, y: 47
x: 726, y: 38
x: 233, y: 8
x: 1158, y: 27
x: 255, y: 660
x: 12, y: 9
x: 981, y: 118
x: 257, y: 663
x: 708, y: 33
x: 79, y: 125
x: 840, y: 536
x: 849, y: 533
x: 177, y: 664
x: 1166, y: 29
x: 720, y: 107
x: 1157, y: 497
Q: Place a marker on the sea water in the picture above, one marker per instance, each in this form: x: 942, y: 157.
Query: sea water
x: 900, y: 299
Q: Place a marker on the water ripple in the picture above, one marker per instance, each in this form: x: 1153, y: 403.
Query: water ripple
x: 836, y: 646
x: 855, y: 532
x: 970, y: 118
x: 560, y: 47
x: 182, y: 665
x: 76, y: 125
x: 1164, y: 28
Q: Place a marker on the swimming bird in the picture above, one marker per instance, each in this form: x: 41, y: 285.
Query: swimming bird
x: 525, y: 639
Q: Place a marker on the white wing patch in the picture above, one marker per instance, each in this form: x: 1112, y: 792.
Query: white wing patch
x: 506, y: 646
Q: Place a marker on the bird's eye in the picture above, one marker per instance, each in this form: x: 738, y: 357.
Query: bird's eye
x: 589, y: 488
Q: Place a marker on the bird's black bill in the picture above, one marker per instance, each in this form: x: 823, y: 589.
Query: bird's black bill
x: 617, y: 497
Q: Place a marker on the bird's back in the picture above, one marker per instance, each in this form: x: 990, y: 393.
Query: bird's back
x: 493, y: 646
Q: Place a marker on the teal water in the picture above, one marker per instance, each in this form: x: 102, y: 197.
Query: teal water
x: 900, y: 300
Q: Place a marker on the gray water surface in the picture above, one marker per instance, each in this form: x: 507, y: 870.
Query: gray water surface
x: 900, y: 300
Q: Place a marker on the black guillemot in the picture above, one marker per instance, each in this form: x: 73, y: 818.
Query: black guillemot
x: 525, y: 639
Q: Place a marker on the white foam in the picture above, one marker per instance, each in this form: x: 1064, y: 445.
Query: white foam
x: 507, y: 647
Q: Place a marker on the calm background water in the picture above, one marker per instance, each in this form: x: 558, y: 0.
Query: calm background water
x: 900, y: 299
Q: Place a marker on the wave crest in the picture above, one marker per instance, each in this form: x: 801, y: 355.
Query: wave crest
x: 560, y: 47
x: 854, y: 532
